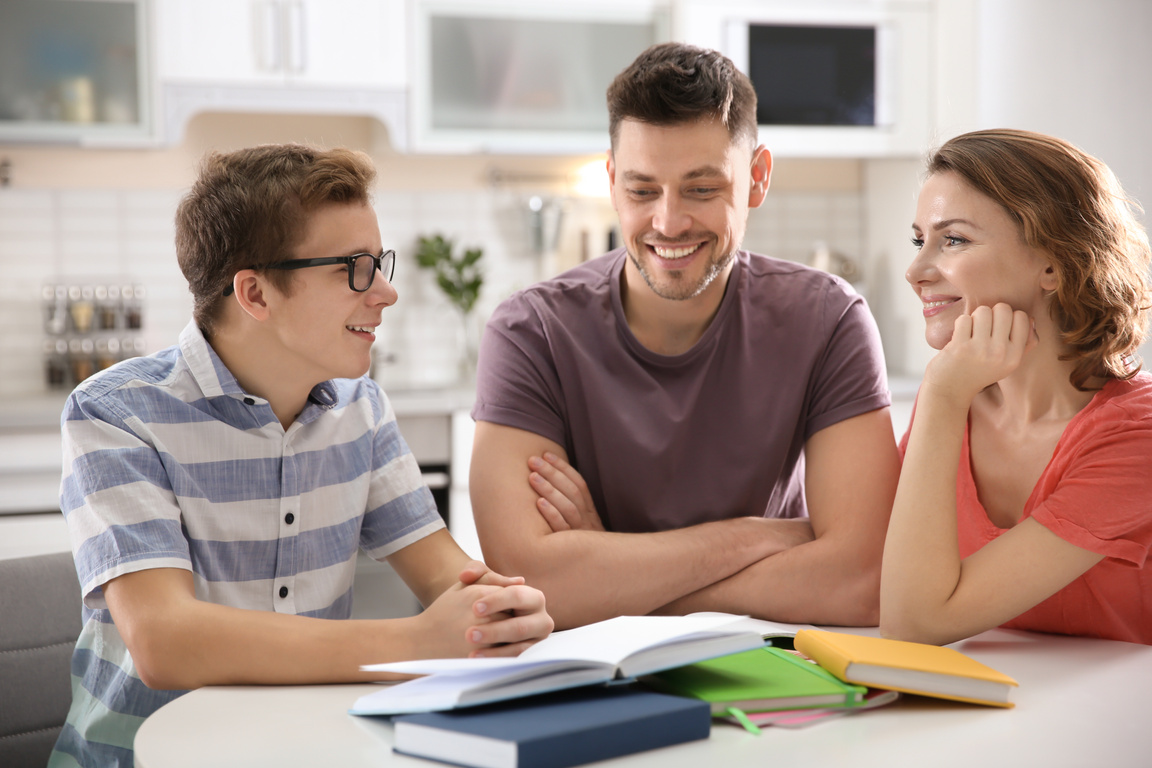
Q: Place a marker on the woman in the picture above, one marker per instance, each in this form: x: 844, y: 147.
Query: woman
x: 1025, y: 497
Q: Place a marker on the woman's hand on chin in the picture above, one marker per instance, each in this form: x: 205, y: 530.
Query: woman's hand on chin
x: 986, y: 346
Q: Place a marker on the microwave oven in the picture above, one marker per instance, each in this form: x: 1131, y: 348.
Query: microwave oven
x: 834, y: 78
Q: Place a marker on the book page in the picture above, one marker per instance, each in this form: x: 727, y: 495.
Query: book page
x: 608, y: 642
x: 616, y: 639
x: 767, y: 629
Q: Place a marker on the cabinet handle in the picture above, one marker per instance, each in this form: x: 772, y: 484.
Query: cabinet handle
x: 268, y: 34
x: 296, y: 37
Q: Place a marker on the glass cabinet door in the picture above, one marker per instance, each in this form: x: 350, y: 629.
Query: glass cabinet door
x: 523, y: 76
x: 73, y: 70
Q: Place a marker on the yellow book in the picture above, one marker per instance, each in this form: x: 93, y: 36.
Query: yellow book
x: 928, y: 670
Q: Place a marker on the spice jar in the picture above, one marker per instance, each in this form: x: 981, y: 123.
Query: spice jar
x: 81, y: 308
x: 55, y: 363
x: 80, y: 358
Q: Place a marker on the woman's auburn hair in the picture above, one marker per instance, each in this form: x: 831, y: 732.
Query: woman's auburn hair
x: 1069, y: 204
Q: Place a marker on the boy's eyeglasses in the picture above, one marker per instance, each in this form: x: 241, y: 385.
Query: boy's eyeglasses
x: 362, y: 267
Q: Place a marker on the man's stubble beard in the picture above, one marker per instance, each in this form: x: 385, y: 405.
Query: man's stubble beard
x: 715, y: 269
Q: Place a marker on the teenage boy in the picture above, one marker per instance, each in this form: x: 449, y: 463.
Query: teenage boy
x: 217, y: 492
x: 680, y: 425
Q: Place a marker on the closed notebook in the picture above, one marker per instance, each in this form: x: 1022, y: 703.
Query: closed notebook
x: 760, y: 680
x: 554, y: 730
x: 928, y: 670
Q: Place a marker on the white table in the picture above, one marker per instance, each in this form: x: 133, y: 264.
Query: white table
x: 1081, y: 703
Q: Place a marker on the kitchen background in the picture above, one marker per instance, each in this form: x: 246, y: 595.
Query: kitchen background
x: 89, y: 181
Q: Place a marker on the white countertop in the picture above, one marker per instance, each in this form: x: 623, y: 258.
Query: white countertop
x: 41, y: 411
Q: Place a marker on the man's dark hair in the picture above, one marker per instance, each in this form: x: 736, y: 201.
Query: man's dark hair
x: 672, y: 83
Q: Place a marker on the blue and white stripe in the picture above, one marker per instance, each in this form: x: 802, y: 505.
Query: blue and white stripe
x: 168, y: 463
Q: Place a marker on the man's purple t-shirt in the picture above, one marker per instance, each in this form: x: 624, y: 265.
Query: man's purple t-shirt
x: 715, y: 433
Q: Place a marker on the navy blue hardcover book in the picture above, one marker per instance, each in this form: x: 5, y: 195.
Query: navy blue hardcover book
x: 555, y: 730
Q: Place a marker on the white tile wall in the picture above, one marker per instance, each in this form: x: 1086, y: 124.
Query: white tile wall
x: 788, y: 225
x: 46, y: 235
x: 80, y: 235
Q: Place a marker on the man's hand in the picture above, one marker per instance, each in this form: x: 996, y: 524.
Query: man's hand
x: 986, y: 346
x: 564, y: 501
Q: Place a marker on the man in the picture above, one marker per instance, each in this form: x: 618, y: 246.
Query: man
x: 218, y: 491
x: 680, y: 425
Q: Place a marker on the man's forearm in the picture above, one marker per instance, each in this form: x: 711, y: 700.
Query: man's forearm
x: 590, y: 576
x: 818, y: 582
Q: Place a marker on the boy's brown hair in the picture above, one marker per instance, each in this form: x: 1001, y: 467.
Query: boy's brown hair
x: 248, y: 208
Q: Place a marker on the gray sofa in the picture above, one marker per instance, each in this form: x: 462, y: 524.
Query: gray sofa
x: 39, y: 624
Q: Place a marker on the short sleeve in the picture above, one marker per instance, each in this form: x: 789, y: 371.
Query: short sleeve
x: 1097, y: 491
x: 517, y: 384
x: 400, y: 507
x: 850, y: 378
x: 116, y: 496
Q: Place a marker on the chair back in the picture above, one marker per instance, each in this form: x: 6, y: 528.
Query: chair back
x: 39, y: 623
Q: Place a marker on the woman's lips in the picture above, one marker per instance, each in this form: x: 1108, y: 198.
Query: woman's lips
x: 934, y: 305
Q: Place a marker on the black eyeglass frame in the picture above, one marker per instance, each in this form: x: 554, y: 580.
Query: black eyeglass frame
x: 387, y: 256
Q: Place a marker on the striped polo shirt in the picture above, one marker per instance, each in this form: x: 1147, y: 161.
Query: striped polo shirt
x: 168, y: 463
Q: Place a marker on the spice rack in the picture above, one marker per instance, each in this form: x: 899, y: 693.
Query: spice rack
x: 88, y: 327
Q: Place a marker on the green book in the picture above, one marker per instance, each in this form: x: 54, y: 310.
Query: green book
x: 761, y: 680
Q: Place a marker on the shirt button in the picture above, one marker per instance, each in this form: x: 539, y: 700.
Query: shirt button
x: 249, y: 401
x: 283, y: 591
x: 289, y: 518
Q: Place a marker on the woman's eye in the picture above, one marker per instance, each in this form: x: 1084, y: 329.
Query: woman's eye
x: 918, y: 242
x: 954, y: 240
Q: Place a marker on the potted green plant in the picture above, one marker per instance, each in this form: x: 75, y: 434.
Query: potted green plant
x: 460, y: 278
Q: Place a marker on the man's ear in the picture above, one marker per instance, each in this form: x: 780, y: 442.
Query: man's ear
x: 761, y: 176
x: 249, y: 290
x: 611, y: 165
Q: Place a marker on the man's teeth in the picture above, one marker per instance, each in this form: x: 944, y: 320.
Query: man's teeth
x: 674, y: 253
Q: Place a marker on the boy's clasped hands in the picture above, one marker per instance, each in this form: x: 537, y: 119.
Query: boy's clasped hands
x: 484, y: 614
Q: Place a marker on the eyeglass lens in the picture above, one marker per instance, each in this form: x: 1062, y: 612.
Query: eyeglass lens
x: 364, y: 269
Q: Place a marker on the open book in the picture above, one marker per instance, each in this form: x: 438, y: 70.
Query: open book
x: 618, y: 648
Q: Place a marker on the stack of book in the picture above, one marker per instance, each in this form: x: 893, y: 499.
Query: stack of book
x: 837, y: 674
x: 767, y: 686
x: 573, y: 698
x: 563, y: 702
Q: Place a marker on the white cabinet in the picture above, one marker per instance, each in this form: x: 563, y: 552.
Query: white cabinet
x: 305, y: 56
x: 341, y: 43
x: 521, y: 75
x: 75, y: 71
